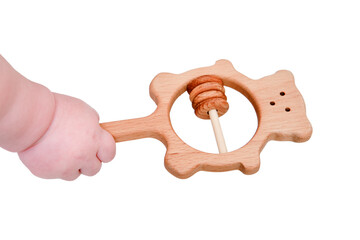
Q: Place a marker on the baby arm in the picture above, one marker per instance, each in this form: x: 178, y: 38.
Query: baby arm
x: 56, y: 136
x: 26, y: 109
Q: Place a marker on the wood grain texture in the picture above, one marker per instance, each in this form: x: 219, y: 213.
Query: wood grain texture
x: 285, y: 120
x: 207, y: 92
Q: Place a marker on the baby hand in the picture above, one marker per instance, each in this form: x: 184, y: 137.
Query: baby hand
x: 74, y: 144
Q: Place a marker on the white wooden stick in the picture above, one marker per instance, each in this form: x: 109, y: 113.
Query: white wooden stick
x: 217, y: 130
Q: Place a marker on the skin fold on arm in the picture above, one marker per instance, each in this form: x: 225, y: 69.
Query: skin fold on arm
x: 56, y: 136
x: 26, y: 109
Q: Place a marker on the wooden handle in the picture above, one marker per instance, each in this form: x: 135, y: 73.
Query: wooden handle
x: 131, y: 129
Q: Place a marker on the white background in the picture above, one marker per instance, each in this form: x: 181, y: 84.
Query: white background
x: 107, y: 53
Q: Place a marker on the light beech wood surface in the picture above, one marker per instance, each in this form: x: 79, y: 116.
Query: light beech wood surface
x: 279, y: 106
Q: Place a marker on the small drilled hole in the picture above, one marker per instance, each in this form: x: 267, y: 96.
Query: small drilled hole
x: 287, y: 109
x: 282, y: 93
x: 272, y: 103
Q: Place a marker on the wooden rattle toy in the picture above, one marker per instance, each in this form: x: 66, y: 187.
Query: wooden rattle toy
x: 279, y: 106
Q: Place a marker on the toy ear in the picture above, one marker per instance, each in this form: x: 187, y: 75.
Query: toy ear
x: 160, y: 79
x: 304, y: 133
x: 285, y: 76
x: 251, y: 165
x: 225, y: 63
x: 181, y: 164
x: 158, y: 83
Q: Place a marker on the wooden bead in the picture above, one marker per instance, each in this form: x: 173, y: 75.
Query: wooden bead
x: 203, y: 79
x: 205, y: 87
x: 207, y: 92
x: 206, y: 95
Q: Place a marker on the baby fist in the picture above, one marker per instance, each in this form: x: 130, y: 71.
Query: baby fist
x: 74, y: 144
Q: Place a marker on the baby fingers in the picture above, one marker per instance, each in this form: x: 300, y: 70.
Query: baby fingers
x: 107, y: 148
x: 91, y: 167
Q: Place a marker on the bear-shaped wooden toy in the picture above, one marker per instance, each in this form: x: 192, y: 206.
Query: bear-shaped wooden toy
x: 279, y: 106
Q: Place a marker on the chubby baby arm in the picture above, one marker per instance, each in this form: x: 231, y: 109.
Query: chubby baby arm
x: 56, y: 136
x: 26, y: 109
x: 74, y: 143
